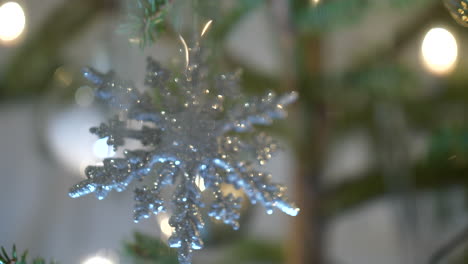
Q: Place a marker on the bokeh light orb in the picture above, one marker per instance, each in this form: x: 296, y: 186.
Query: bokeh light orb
x: 98, y: 260
x: 12, y: 21
x: 164, y: 226
x: 439, y: 51
x: 314, y: 2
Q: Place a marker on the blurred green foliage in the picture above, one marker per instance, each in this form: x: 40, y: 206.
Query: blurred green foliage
x: 332, y: 15
x: 13, y: 258
x: 145, y: 249
x: 31, y: 69
x: 252, y: 251
x: 145, y: 20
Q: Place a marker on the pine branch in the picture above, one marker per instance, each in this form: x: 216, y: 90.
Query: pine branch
x: 146, y: 20
x: 13, y: 258
x: 332, y: 14
x: 432, y: 11
x: 434, y: 174
x: 147, y: 249
x: 430, y: 175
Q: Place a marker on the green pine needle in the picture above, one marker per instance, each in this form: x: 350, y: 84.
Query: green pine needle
x: 145, y: 21
x: 146, y: 249
x: 6, y: 259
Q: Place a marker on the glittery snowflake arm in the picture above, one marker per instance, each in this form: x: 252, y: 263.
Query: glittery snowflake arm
x: 202, y: 127
x: 115, y: 174
x: 259, y: 111
x: 257, y: 186
x: 224, y: 207
x: 116, y: 132
x: 148, y: 200
x: 122, y: 95
x: 186, y: 220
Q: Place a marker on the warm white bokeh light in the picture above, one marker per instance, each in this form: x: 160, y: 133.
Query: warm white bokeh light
x: 166, y: 228
x: 200, y: 182
x: 98, y: 260
x: 84, y: 96
x: 69, y: 139
x: 12, y: 21
x: 439, y: 51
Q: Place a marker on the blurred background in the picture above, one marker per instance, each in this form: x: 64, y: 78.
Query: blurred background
x: 375, y: 153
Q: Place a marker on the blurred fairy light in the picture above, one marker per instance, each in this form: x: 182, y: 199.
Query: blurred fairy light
x: 98, y: 260
x: 439, y: 51
x: 314, y: 2
x: 63, y: 76
x: 12, y: 21
x: 69, y: 140
x: 200, y: 183
x: 166, y: 228
x: 84, y: 96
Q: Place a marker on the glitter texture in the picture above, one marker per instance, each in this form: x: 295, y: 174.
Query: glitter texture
x: 197, y: 125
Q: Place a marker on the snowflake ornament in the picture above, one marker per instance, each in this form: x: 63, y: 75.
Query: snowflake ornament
x: 197, y: 126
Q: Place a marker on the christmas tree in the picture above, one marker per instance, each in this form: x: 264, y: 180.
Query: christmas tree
x: 376, y: 103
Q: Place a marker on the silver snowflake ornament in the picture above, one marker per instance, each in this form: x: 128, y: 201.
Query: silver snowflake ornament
x: 195, y: 126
